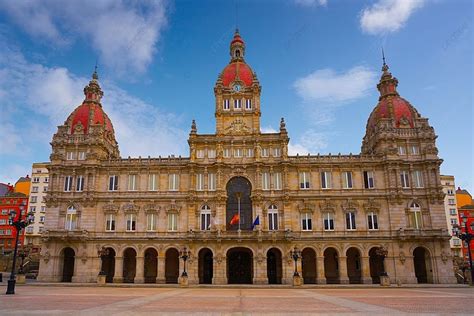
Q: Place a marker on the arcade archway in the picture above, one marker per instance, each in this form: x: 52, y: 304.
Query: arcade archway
x: 274, y: 268
x: 239, y: 266
x: 205, y: 266
x: 308, y: 265
x: 172, y: 266
x: 69, y: 257
x: 108, y: 265
x: 129, y: 265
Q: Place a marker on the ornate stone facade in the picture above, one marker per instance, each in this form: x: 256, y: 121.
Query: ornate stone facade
x: 345, y: 212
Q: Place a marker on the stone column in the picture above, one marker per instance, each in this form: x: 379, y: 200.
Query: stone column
x: 321, y: 277
x: 343, y: 277
x: 118, y: 277
x: 260, y: 270
x: 366, y: 278
x: 140, y: 270
x: 160, y: 278
x: 220, y: 273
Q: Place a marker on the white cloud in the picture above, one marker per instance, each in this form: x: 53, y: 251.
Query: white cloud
x: 387, y: 16
x: 310, y: 142
x: 123, y: 33
x: 268, y: 129
x: 327, y: 86
x: 312, y: 3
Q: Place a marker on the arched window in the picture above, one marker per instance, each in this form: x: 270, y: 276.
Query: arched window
x: 237, y: 53
x: 272, y: 217
x: 415, y: 216
x: 71, y: 218
x: 205, y: 217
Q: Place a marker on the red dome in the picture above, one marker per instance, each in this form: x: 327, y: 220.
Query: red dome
x: 87, y: 114
x: 237, y: 70
x: 396, y: 108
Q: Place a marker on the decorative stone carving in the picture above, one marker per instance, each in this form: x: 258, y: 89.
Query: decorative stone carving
x: 110, y: 208
x: 130, y: 208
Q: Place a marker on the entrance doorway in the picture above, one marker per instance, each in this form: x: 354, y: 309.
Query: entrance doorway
x: 68, y: 264
x: 108, y: 265
x: 150, y: 268
x: 172, y: 266
x: 239, y: 266
x: 274, y: 271
x: 422, y: 262
x: 376, y: 263
x: 308, y: 265
x: 129, y: 265
x: 331, y: 266
x: 354, y: 271
x: 239, y: 190
x: 205, y: 266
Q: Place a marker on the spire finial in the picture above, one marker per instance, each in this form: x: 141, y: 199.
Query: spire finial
x: 95, y: 75
x: 384, y: 66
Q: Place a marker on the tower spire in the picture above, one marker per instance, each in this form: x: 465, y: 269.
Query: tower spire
x: 95, y: 75
x: 384, y: 66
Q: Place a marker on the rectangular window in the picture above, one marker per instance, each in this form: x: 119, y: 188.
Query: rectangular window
x: 211, y: 153
x: 32, y: 209
x: 414, y: 149
x: 70, y: 155
x: 211, y: 185
x: 276, y: 152
x: 113, y: 183
x: 46, y: 180
x: 248, y: 104
x: 68, y: 184
x: 237, y: 104
x: 153, y: 182
x: 80, y: 183
x: 205, y: 220
x: 42, y: 219
x: 45, y: 189
x: 304, y: 180
x: 131, y: 222
x: 226, y: 104
x: 404, y: 179
x: 306, y: 223
x: 200, y: 153
x: 71, y: 220
x: 172, y: 221
x: 456, y: 242
x: 273, y: 220
x: 452, y: 211
x: 81, y: 155
x: 226, y: 152
x: 249, y: 152
x: 173, y: 180
x: 238, y: 152
x: 416, y: 219
x: 328, y: 221
x: 277, y: 181
x: 199, y: 182
x: 454, y: 221
x: 34, y: 199
x: 402, y: 150
x: 451, y: 202
x: 418, y: 179
x: 132, y: 182
x: 325, y: 180
x: 372, y: 221
x: 29, y: 230
x: 43, y: 209
x: 369, y: 182
x: 110, y: 222
x: 36, y: 179
x: 34, y: 189
x: 265, y: 181
x: 347, y: 180
x: 350, y: 221
x: 151, y: 222
x: 265, y: 152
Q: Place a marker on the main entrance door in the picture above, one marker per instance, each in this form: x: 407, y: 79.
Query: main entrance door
x: 238, y: 195
x: 239, y: 266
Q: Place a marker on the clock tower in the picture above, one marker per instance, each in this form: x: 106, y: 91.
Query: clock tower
x: 237, y: 92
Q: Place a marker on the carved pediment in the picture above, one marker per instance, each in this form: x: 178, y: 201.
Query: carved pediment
x: 371, y: 205
x: 349, y: 205
x: 173, y: 208
x: 327, y: 206
x: 130, y: 208
x: 238, y: 127
x: 305, y: 207
x: 152, y: 208
x: 110, y: 208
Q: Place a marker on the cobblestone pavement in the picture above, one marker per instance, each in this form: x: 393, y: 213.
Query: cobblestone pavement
x: 94, y: 300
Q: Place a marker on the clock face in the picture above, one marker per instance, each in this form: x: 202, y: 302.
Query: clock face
x: 237, y: 87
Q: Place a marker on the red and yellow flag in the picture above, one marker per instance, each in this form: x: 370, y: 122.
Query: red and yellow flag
x: 235, y: 219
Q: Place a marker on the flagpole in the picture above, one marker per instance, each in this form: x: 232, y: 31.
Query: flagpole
x: 238, y: 205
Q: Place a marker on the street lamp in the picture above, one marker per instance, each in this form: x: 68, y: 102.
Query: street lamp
x: 466, y: 236
x: 184, y: 254
x: 19, y: 224
x: 295, y: 254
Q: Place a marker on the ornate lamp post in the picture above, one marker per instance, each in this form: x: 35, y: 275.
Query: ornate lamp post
x: 184, y: 254
x: 467, y: 237
x: 19, y: 224
x: 295, y: 254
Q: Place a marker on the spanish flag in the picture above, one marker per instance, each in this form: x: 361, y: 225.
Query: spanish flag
x: 234, y: 220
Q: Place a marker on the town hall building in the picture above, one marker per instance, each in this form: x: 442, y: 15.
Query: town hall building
x: 240, y: 209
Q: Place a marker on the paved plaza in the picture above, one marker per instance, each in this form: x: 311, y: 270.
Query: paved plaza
x: 110, y: 300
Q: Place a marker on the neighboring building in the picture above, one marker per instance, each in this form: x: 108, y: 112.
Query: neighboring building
x: 450, y: 208
x: 23, y: 185
x: 466, y: 210
x: 8, y: 202
x: 463, y: 197
x: 340, y: 210
x: 39, y: 189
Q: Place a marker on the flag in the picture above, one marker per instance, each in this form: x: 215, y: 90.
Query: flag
x: 256, y: 222
x: 235, y: 219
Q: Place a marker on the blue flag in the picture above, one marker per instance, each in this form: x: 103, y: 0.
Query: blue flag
x: 256, y: 222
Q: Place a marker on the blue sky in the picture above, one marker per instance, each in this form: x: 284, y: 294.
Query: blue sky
x: 318, y: 62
